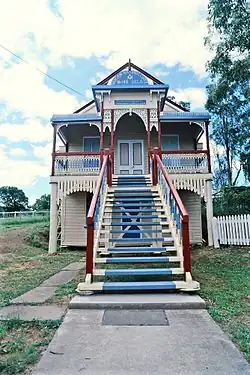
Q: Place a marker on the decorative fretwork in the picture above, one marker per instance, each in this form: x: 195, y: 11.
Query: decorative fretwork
x: 141, y: 112
x: 192, y: 182
x: 107, y: 119
x: 153, y: 119
x: 74, y: 184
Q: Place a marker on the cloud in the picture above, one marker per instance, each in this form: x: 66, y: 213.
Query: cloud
x: 160, y: 31
x: 20, y: 173
x: 17, y: 152
x: 23, y: 89
x: 196, y: 96
x: 32, y: 130
x: 165, y: 32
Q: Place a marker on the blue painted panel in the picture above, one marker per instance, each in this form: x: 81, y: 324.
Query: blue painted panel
x: 130, y: 102
x: 127, y: 77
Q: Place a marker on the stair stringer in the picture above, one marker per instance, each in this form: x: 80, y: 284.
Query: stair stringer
x: 98, y: 231
x: 172, y: 227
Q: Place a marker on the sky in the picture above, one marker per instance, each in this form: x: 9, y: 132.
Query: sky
x: 80, y: 42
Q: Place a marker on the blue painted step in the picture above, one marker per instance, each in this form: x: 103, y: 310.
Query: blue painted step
x: 137, y: 231
x: 138, y: 271
x: 148, y: 259
x: 130, y: 223
x: 119, y: 210
x: 150, y: 239
x: 133, y: 199
x: 146, y: 285
x: 143, y: 249
x: 134, y: 216
x: 120, y: 190
x: 152, y: 204
x: 136, y: 194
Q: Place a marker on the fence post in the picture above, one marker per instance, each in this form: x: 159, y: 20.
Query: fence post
x: 215, y: 233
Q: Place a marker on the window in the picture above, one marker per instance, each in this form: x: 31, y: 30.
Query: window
x: 91, y: 144
x: 170, y: 142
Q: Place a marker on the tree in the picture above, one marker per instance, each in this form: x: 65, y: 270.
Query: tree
x: 13, y: 199
x: 229, y: 91
x: 42, y: 203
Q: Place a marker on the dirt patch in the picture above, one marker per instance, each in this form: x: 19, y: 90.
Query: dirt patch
x: 24, y: 265
x: 12, y: 240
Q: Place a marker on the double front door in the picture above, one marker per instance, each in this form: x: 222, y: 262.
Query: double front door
x: 130, y: 157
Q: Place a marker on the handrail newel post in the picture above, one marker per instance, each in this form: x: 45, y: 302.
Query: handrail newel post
x: 186, y: 244
x: 90, y: 247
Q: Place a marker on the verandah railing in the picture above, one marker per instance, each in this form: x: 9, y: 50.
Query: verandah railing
x: 76, y: 163
x: 186, y: 161
x: 95, y: 212
x: 177, y: 210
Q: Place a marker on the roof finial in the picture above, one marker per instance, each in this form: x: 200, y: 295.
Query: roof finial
x: 129, y: 64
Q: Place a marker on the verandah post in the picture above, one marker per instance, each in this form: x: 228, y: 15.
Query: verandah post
x: 53, y: 150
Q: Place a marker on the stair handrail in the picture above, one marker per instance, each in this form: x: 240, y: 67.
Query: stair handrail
x: 177, y: 209
x: 105, y: 178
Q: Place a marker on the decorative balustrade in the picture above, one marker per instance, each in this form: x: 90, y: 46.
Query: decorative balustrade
x: 186, y: 161
x: 76, y: 163
x: 178, y: 213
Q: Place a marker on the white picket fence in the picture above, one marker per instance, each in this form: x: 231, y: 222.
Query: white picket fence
x: 231, y: 230
x: 23, y: 214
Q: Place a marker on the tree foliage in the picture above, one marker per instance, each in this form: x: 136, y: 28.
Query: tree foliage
x: 233, y: 200
x: 229, y: 91
x: 12, y: 199
x: 42, y: 203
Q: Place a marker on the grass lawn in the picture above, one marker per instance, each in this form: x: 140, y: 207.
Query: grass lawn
x: 224, y: 276
x: 24, y: 262
x: 21, y: 344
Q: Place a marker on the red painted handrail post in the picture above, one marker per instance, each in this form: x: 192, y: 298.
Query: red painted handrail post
x: 109, y: 166
x: 156, y: 152
x: 186, y: 244
x: 101, y: 158
x: 90, y: 247
x: 153, y: 167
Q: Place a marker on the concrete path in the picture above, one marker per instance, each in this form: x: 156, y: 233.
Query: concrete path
x: 27, y: 313
x: 162, y: 342
x: 46, y: 290
x: 22, y: 307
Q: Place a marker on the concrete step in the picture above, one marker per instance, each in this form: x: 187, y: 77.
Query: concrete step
x: 137, y: 301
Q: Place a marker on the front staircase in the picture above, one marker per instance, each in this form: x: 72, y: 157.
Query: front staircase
x: 137, y: 246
